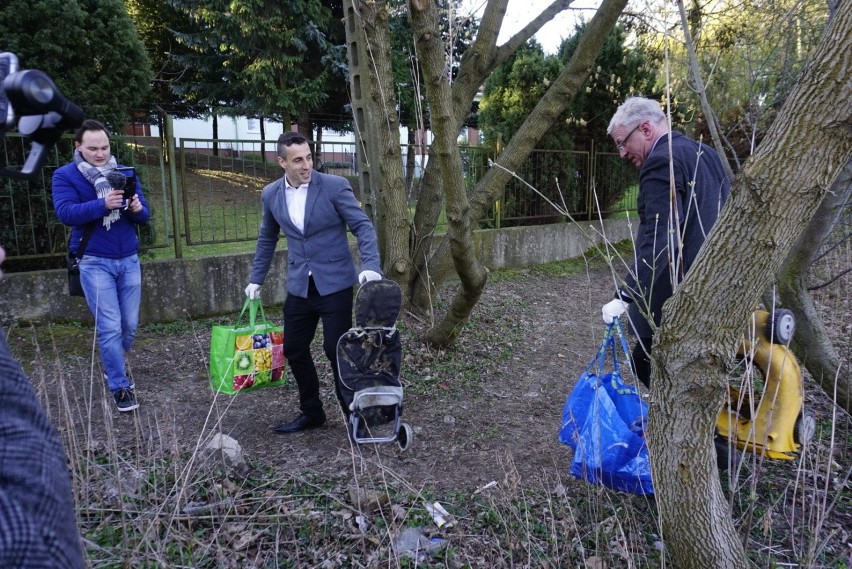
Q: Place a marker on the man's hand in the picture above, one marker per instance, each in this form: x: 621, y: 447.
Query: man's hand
x: 114, y: 199
x: 134, y: 205
x: 253, y: 291
x: 368, y: 276
x: 612, y: 310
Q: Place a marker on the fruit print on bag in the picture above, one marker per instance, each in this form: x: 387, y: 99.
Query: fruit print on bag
x: 262, y: 378
x: 247, y: 356
x: 244, y: 362
x: 263, y: 359
x: 242, y: 382
x: 259, y: 359
x: 277, y: 355
x: 243, y: 342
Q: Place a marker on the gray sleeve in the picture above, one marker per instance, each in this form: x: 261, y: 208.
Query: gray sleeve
x: 37, y: 522
x: 267, y: 238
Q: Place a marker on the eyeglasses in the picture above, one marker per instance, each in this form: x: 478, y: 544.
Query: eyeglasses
x: 621, y: 145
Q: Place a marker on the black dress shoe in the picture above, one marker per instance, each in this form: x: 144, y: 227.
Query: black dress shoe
x: 301, y: 423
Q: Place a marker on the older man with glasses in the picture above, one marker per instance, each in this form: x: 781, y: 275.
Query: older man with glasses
x: 682, y: 188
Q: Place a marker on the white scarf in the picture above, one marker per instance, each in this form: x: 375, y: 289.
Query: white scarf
x: 95, y: 176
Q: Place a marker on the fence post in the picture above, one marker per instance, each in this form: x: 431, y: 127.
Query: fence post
x: 590, y: 181
x: 498, y: 205
x: 171, y: 158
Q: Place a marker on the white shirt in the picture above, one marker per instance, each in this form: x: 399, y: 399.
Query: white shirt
x: 296, y: 199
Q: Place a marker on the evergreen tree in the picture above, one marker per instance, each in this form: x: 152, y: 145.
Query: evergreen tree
x: 513, y: 90
x: 89, y: 48
x: 156, y: 21
x: 210, y: 79
x: 252, y: 53
x: 517, y: 86
x: 333, y: 113
x: 510, y: 94
x: 619, y: 72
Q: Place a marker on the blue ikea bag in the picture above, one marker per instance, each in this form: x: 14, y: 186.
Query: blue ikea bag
x: 604, y: 422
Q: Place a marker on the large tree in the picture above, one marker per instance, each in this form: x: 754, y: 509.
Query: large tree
x: 778, y: 192
x: 517, y: 85
x: 774, y: 198
x: 457, y: 30
x: 96, y: 59
x: 812, y: 344
x: 264, y: 53
x: 156, y: 22
x: 333, y: 112
x: 621, y: 69
x: 513, y: 90
x: 749, y: 55
x: 410, y: 254
x: 456, y: 249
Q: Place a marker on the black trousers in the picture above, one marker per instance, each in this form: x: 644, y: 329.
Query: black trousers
x: 641, y: 360
x: 301, y: 316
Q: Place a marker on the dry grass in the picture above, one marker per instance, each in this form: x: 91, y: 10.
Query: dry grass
x: 148, y: 495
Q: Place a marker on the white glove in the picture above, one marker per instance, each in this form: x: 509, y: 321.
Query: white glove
x: 253, y: 291
x: 613, y: 309
x: 368, y: 276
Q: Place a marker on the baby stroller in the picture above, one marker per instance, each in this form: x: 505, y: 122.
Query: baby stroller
x: 368, y: 362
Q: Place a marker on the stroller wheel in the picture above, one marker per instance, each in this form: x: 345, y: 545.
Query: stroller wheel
x: 404, y: 436
x: 781, y: 326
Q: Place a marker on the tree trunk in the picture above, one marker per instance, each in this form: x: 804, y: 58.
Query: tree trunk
x: 411, y: 160
x: 774, y: 198
x: 551, y: 105
x: 811, y: 343
x: 320, y: 158
x: 427, y: 36
x: 305, y: 127
x: 215, y: 133
x: 430, y: 204
x: 478, y: 62
x: 392, y: 207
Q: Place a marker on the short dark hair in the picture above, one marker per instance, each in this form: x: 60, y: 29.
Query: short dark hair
x: 89, y: 124
x: 289, y: 138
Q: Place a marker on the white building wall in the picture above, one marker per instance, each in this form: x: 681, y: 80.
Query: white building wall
x: 198, y: 133
x: 242, y: 128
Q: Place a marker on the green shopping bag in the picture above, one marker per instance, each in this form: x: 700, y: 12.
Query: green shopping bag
x: 247, y: 357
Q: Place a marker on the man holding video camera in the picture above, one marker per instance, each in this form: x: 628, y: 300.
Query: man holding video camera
x: 105, y: 204
x: 37, y: 520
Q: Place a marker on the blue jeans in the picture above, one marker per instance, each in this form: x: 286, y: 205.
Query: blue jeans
x: 113, y: 290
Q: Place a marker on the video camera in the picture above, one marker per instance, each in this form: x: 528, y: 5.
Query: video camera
x: 44, y: 112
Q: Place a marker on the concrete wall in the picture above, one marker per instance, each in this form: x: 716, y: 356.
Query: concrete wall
x: 178, y: 288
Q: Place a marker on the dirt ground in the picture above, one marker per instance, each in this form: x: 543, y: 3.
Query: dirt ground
x: 488, y: 407
x: 520, y: 355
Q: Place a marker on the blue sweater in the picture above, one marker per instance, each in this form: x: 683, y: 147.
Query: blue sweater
x: 77, y: 204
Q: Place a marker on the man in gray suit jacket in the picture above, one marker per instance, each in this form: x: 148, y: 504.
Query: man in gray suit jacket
x: 313, y: 210
x: 666, y: 246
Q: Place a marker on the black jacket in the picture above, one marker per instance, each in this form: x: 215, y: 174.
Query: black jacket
x: 662, y: 256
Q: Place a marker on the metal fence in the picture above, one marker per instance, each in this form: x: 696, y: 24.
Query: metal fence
x: 216, y: 191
